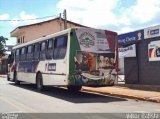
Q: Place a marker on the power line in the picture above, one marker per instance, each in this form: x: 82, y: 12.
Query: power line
x: 29, y: 19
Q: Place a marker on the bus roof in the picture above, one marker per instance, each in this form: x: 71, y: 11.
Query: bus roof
x: 54, y: 35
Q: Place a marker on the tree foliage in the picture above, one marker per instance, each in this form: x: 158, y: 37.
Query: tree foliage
x: 2, y: 46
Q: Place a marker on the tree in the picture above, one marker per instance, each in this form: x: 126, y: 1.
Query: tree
x: 2, y: 46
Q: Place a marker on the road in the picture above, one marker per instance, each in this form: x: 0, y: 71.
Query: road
x: 25, y: 99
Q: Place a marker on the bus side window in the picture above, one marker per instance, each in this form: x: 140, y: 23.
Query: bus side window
x: 23, y: 54
x: 49, y: 51
x: 43, y: 51
x: 36, y: 51
x: 17, y: 54
x: 60, y: 47
x: 30, y: 52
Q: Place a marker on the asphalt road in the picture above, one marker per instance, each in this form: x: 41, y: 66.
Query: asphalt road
x: 26, y: 99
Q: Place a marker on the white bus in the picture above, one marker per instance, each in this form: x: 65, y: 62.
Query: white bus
x: 73, y: 58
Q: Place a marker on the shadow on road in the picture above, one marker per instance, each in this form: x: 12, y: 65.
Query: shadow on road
x: 64, y: 94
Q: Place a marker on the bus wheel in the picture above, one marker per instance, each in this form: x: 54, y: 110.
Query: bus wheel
x: 74, y: 88
x: 15, y: 79
x: 39, y: 82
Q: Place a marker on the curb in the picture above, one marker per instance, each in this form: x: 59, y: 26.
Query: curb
x: 124, y: 96
x: 3, y: 76
x: 141, y: 87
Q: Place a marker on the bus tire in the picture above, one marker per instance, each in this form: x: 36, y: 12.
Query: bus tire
x: 17, y: 82
x: 72, y: 88
x: 39, y: 82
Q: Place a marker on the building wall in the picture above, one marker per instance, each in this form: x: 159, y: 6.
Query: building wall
x: 149, y: 72
x: 36, y: 31
x: 140, y: 70
x: 131, y: 70
x: 121, y: 66
x: 144, y: 71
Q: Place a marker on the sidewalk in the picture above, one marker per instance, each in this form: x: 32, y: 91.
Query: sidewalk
x: 3, y: 75
x: 126, y: 91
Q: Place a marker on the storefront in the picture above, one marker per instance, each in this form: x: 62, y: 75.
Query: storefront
x: 128, y: 54
x: 143, y: 68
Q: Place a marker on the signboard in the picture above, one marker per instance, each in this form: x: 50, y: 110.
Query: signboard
x: 52, y: 67
x: 95, y: 56
x: 96, y: 41
x: 130, y: 38
x: 152, y: 32
x: 154, y: 51
x: 129, y: 51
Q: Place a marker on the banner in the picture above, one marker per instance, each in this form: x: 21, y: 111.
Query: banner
x: 130, y: 38
x: 129, y: 51
x: 154, y: 51
x: 95, y: 60
x: 152, y: 32
x: 96, y: 41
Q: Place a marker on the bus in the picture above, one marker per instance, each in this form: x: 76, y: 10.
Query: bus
x: 73, y: 58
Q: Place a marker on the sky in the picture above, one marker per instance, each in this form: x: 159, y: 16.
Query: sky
x: 121, y: 16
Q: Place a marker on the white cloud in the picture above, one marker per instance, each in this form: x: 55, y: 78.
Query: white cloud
x: 4, y: 16
x: 143, y: 11
x: 97, y: 13
x: 14, y: 22
x: 92, y: 13
x: 124, y: 20
x: 24, y: 18
x: 147, y: 10
x: 28, y: 18
x: 125, y: 30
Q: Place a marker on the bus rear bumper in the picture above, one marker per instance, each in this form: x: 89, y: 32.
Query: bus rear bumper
x: 85, y: 80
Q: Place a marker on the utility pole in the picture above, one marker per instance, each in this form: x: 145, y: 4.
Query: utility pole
x: 60, y: 22
x: 65, y: 19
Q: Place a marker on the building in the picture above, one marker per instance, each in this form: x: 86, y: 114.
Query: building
x: 142, y: 56
x: 4, y: 60
x: 9, y: 47
x: 33, y: 31
x: 127, y: 47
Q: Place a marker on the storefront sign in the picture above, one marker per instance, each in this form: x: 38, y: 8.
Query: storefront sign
x: 152, y: 32
x: 129, y: 51
x: 130, y: 38
x: 154, y: 51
